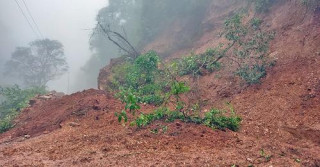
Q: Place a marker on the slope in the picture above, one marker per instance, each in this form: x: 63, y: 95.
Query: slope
x: 281, y: 119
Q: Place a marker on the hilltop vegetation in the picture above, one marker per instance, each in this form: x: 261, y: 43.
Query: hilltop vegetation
x: 147, y: 79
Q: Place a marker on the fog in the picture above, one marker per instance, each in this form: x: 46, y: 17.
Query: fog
x: 68, y: 21
x: 86, y: 47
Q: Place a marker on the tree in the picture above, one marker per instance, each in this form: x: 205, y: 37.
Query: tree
x: 36, y: 65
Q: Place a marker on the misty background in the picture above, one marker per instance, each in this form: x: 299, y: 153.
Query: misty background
x: 68, y: 21
x: 76, y: 24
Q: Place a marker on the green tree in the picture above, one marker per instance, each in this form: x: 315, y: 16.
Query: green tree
x: 39, y: 63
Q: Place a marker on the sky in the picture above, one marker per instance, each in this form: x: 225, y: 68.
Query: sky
x: 68, y: 21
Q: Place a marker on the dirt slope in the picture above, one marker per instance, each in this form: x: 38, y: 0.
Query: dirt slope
x: 95, y: 138
x: 281, y: 116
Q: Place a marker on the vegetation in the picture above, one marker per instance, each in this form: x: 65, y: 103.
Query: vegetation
x: 262, y: 5
x: 217, y: 120
x: 311, y: 4
x: 142, y: 81
x: 138, y: 21
x: 39, y: 63
x: 14, y: 100
x: 146, y: 79
x: 214, y: 119
x: 249, y: 46
x: 197, y: 64
x: 247, y: 50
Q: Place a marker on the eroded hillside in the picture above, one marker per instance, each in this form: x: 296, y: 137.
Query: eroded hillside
x: 280, y: 117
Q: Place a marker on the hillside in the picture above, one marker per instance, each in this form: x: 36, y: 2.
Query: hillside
x: 280, y: 117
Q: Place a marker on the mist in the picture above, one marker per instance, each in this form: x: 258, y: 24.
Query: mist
x: 87, y: 50
x: 69, y: 22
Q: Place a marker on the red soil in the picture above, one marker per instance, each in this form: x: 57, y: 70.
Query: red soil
x: 280, y: 116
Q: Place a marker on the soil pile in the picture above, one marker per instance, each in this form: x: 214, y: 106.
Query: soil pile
x: 281, y: 116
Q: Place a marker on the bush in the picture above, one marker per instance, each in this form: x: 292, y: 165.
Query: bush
x: 15, y: 99
x: 142, y: 78
x: 249, y: 45
x: 214, y: 119
x: 131, y: 100
x: 196, y: 64
x: 6, y: 122
x: 159, y: 114
x: 252, y: 75
x: 144, y: 82
x: 262, y: 5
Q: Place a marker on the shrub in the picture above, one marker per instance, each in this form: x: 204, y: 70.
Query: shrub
x: 122, y: 116
x: 262, y: 5
x: 145, y: 82
x: 15, y: 99
x: 195, y: 64
x: 6, y: 122
x: 127, y: 96
x: 159, y: 114
x: 215, y: 119
x: 142, y: 78
x: 249, y: 45
x: 252, y: 75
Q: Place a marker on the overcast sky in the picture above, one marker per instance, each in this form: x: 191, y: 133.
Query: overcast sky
x: 67, y: 21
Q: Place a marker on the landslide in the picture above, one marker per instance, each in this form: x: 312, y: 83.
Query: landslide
x: 281, y: 119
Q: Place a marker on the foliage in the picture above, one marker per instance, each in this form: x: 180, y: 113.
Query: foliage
x: 36, y: 65
x: 148, y: 80
x: 252, y: 75
x: 311, y: 4
x: 142, y: 78
x: 247, y: 49
x: 15, y: 99
x: 196, y: 64
x: 122, y: 116
x: 214, y: 119
x: 265, y: 155
x: 262, y: 5
x: 234, y: 30
x: 130, y: 99
x: 161, y: 128
x: 179, y: 88
x: 138, y: 21
x: 249, y: 46
x: 158, y: 114
x: 6, y: 122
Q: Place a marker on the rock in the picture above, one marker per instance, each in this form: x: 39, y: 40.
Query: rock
x: 57, y: 94
x: 45, y: 97
x: 73, y: 124
x: 27, y: 136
